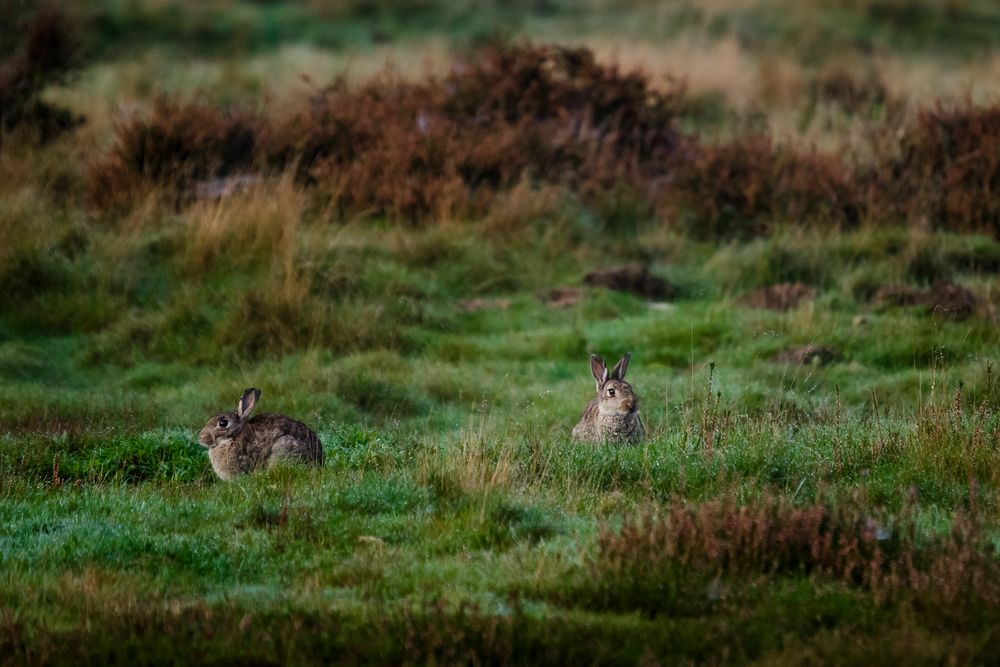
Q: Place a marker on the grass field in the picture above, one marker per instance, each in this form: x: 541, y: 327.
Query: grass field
x: 400, y: 262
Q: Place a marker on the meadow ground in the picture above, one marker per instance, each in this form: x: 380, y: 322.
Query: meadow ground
x: 819, y: 379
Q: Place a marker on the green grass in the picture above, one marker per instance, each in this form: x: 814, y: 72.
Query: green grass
x: 453, y: 514
x: 402, y: 533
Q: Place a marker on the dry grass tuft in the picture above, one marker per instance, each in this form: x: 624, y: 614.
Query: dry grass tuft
x: 259, y: 227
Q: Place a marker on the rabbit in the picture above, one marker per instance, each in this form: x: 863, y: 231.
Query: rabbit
x: 239, y: 444
x: 613, y: 416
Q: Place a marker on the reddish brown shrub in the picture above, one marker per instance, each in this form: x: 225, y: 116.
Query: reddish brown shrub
x: 439, y: 148
x: 445, y: 147
x: 743, y: 187
x: 175, y: 145
x: 771, y: 537
x: 341, y: 123
x: 530, y: 116
x: 385, y: 150
x: 586, y: 104
x: 946, y: 171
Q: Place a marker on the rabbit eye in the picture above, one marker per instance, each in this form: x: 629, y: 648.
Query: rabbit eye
x: 611, y: 391
x: 223, y: 423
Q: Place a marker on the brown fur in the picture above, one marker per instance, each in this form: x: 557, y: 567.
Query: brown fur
x: 613, y: 415
x: 248, y: 444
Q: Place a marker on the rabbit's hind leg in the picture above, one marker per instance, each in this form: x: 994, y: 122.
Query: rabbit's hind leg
x: 287, y: 449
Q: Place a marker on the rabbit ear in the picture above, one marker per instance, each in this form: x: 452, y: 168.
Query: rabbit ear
x: 247, y: 401
x: 599, y: 370
x: 618, y: 372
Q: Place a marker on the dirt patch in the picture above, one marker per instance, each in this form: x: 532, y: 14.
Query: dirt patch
x: 818, y: 355
x: 889, y: 296
x: 783, y: 296
x: 943, y: 297
x: 951, y: 299
x: 632, y: 278
x: 563, y: 297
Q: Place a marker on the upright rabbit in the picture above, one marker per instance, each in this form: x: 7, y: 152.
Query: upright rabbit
x: 613, y: 416
x: 240, y: 444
